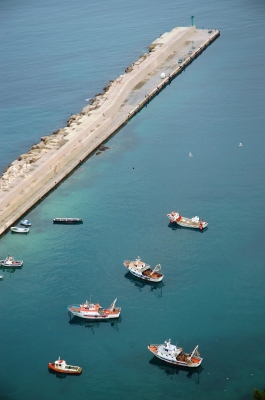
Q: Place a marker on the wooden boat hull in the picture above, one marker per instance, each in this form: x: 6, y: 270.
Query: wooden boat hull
x: 187, y: 223
x: 52, y: 367
x: 196, y: 360
x: 143, y: 277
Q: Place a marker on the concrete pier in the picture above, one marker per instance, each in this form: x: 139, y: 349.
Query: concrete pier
x: 35, y: 173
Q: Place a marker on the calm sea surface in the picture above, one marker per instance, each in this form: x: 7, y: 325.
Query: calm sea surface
x: 54, y: 55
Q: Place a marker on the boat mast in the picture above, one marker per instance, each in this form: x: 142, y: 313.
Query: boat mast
x: 192, y: 354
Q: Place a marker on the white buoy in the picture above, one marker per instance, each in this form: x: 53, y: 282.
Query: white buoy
x: 240, y: 144
x: 163, y: 75
x: 190, y: 155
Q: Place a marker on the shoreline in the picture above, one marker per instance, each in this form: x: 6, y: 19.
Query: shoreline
x: 34, y: 174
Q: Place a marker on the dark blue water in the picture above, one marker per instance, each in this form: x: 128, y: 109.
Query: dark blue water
x: 55, y: 55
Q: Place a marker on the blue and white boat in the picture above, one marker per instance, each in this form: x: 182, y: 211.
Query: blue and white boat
x: 25, y: 222
x: 10, y: 262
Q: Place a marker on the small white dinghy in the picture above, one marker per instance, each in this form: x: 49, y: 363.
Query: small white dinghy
x: 17, y: 229
x: 25, y: 222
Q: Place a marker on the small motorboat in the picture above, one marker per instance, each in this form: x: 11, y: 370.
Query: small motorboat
x: 61, y: 366
x: 10, y: 262
x: 67, y: 220
x: 174, y: 355
x: 143, y: 271
x: 92, y: 311
x: 25, y: 222
x: 17, y: 229
x: 1, y: 277
x: 194, y: 222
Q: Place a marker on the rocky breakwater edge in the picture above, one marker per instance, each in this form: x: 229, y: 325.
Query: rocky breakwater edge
x: 35, y: 173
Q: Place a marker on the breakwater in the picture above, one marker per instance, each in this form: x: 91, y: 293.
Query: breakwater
x: 35, y: 173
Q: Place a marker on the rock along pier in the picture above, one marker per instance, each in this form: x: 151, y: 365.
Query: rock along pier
x: 35, y: 173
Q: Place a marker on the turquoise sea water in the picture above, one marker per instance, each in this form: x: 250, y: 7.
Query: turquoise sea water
x: 55, y: 55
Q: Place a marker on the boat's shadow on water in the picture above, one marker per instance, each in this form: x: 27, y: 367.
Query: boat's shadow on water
x: 61, y: 375
x: 94, y: 324
x: 176, y: 227
x: 191, y: 373
x: 10, y: 270
x: 156, y: 288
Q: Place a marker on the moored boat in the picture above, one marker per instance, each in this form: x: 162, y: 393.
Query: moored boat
x: 10, y: 262
x: 25, y: 222
x: 61, y: 367
x: 92, y: 311
x: 67, y: 220
x: 194, y: 222
x: 17, y: 229
x: 143, y: 271
x: 174, y: 355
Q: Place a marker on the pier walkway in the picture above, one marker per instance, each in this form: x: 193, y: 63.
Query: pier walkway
x: 35, y: 173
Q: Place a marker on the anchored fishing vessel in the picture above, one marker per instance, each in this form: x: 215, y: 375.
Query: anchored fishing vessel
x: 194, y: 222
x: 143, y: 271
x: 92, y: 311
x: 10, y: 262
x: 67, y: 221
x: 61, y: 366
x: 17, y: 229
x: 174, y: 355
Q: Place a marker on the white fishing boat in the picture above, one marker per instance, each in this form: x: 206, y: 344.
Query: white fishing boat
x: 143, y: 271
x: 194, y: 222
x: 92, y: 311
x: 174, y: 355
x: 61, y: 367
x: 17, y: 229
x: 10, y: 262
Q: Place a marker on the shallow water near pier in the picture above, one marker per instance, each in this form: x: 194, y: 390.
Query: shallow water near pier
x: 212, y: 294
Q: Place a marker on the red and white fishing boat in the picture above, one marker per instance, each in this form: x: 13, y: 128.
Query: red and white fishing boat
x: 194, y: 222
x: 63, y: 368
x: 92, y: 311
x: 174, y: 355
x: 143, y: 271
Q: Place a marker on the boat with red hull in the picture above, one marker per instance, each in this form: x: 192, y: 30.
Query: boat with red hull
x: 93, y: 311
x: 63, y: 368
